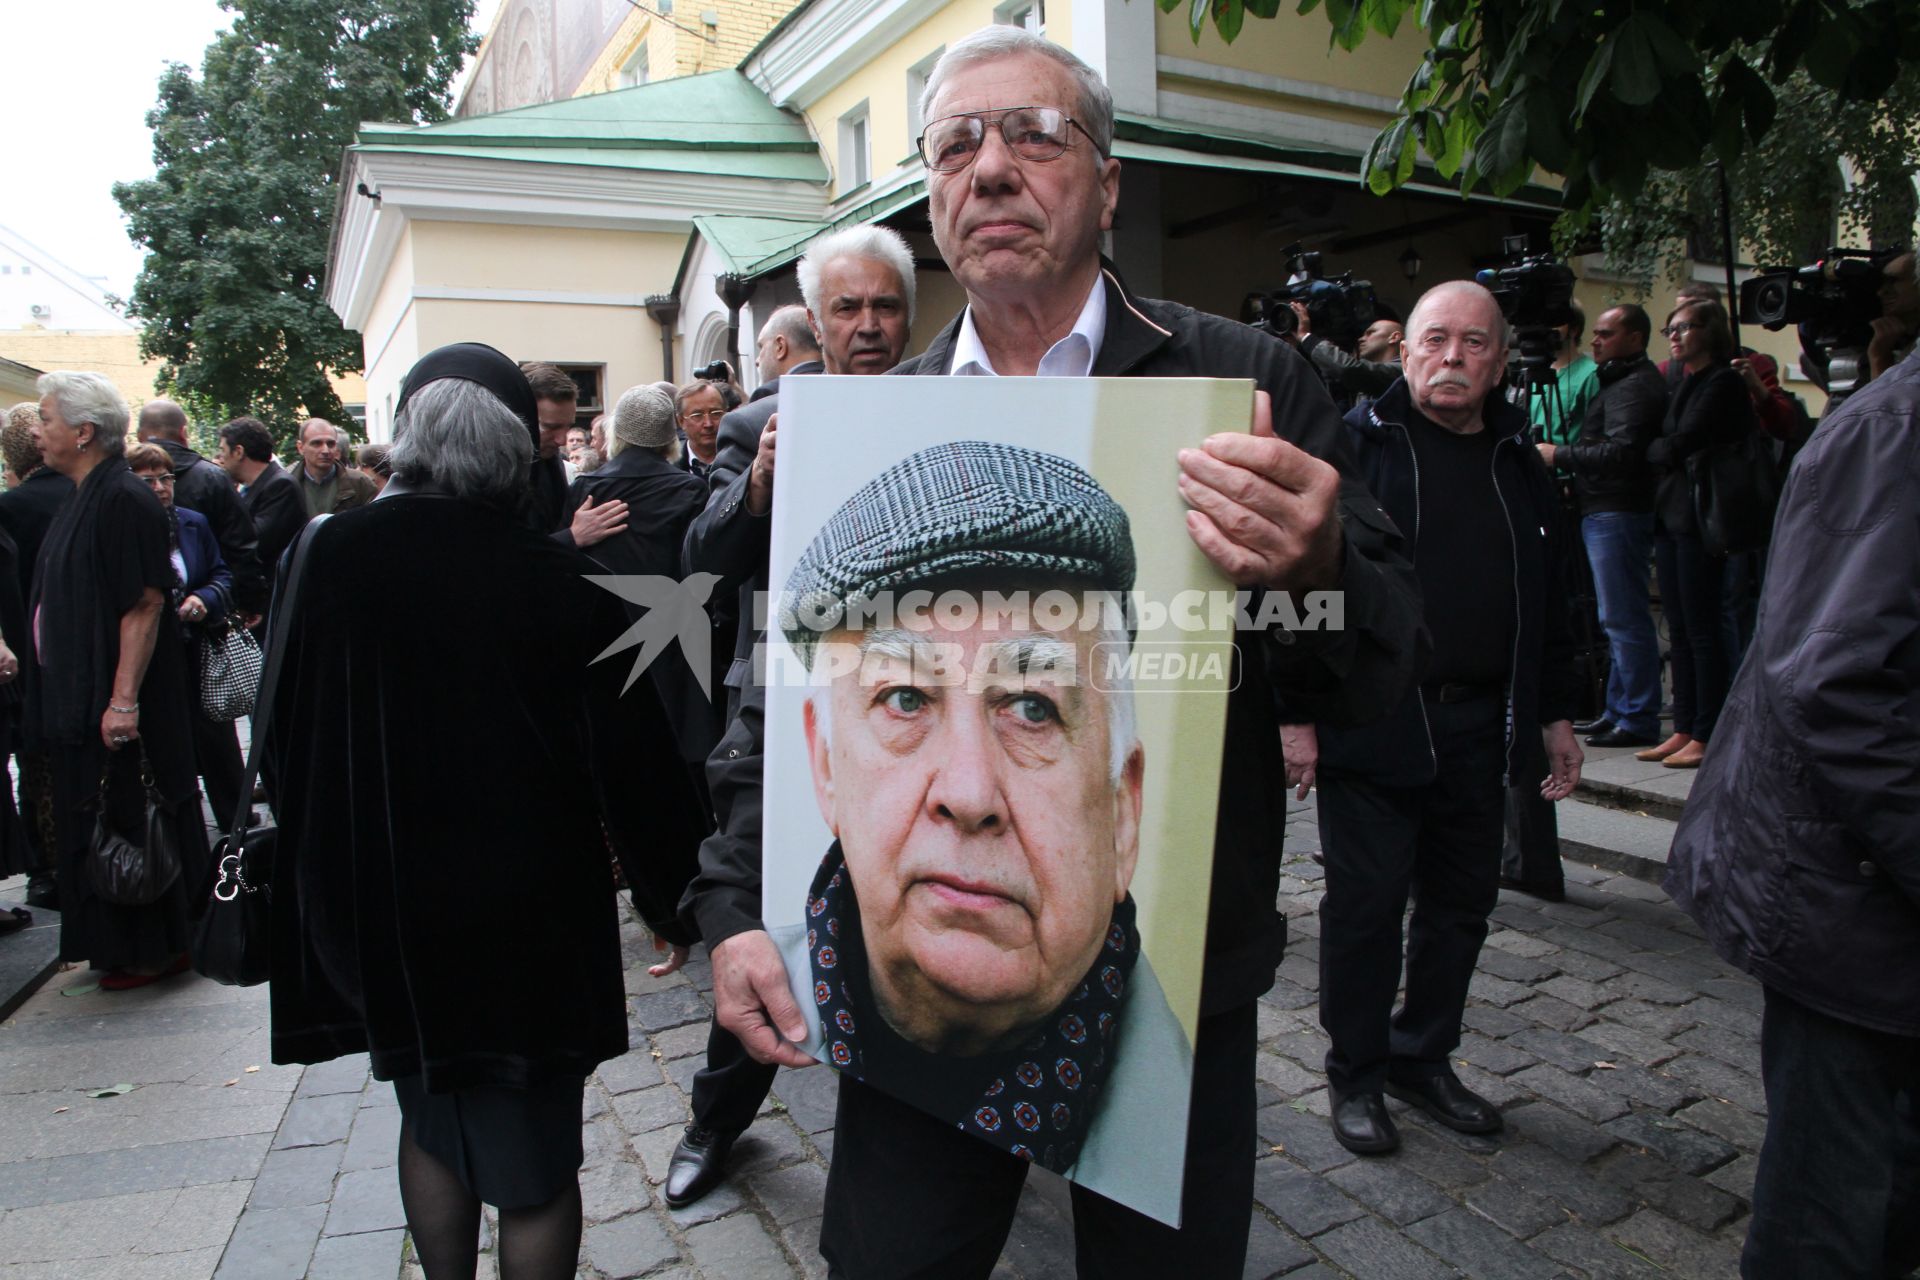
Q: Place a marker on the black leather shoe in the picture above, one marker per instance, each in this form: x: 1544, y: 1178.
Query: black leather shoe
x: 699, y: 1163
x: 1361, y: 1125
x: 1599, y: 724
x: 1620, y: 738
x: 43, y: 891
x: 1450, y: 1102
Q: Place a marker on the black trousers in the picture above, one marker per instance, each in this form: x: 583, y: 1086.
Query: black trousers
x: 1442, y: 843
x: 1837, y: 1191
x: 730, y: 1088
x: 216, y: 754
x: 909, y: 1195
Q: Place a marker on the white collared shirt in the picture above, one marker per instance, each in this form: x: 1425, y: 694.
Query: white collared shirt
x: 1071, y: 357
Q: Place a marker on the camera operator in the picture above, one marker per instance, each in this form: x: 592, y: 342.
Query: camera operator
x: 1888, y: 336
x: 1366, y: 373
x: 1557, y: 418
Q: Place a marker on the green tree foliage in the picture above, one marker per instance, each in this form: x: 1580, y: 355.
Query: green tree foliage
x: 237, y: 216
x: 1608, y: 94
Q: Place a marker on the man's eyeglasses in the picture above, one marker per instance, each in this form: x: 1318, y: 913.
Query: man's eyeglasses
x: 1032, y: 133
x: 1680, y: 330
x: 703, y: 415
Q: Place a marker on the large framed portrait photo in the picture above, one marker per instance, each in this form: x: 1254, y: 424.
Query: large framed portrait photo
x: 997, y: 672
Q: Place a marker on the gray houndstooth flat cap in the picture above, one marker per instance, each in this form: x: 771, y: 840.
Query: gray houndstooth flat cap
x: 957, y: 508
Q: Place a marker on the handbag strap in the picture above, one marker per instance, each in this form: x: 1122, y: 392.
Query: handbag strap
x: 282, y: 610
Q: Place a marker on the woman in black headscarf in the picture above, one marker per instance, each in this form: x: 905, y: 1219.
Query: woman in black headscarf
x: 433, y: 905
x: 109, y: 682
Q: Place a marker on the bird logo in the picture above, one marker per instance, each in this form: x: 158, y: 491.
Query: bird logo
x: 674, y: 608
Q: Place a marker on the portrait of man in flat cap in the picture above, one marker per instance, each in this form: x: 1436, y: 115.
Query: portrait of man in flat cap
x: 989, y: 822
x: 971, y: 936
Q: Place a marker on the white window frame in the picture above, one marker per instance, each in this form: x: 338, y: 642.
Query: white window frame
x: 637, y: 69
x: 917, y: 75
x: 1030, y: 14
x: 856, y: 148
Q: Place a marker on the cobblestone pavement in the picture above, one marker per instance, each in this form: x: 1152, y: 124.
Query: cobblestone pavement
x: 1624, y: 1053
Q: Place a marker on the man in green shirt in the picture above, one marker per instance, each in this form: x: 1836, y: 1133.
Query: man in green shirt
x: 1579, y: 382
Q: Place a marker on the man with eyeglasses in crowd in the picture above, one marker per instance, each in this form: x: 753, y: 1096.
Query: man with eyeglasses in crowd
x: 699, y: 406
x: 1021, y: 186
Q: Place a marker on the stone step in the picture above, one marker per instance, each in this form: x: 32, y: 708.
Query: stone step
x: 1614, y: 779
x: 1600, y: 835
x: 27, y: 957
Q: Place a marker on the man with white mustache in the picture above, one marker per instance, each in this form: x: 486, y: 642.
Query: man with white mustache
x: 1415, y: 802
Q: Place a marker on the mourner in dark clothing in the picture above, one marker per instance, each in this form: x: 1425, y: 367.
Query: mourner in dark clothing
x: 433, y: 906
x: 202, y: 598
x: 858, y: 289
x: 18, y: 851
x: 557, y: 397
x: 661, y: 501
x: 109, y: 687
x: 1799, y: 851
x: 201, y: 486
x: 1710, y: 408
x: 1415, y: 803
x: 271, y: 495
x: 26, y: 513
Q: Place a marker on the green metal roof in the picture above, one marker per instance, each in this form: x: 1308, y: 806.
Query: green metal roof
x: 755, y: 246
x: 716, y: 123
x: 1149, y: 138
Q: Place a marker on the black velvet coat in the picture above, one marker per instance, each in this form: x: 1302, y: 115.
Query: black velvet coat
x: 444, y: 753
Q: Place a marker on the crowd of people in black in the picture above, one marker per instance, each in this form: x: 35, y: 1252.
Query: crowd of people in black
x: 434, y: 683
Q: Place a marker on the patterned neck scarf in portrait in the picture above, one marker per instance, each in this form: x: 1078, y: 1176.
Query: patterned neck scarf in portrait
x: 1036, y: 1100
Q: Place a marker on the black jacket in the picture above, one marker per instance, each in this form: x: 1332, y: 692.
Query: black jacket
x: 278, y: 510
x: 1608, y: 461
x: 199, y: 485
x: 1799, y: 851
x: 546, y: 495
x: 1709, y: 408
x: 1398, y: 751
x: 26, y: 513
x: 451, y: 768
x: 726, y: 538
x: 661, y: 499
x: 1350, y: 675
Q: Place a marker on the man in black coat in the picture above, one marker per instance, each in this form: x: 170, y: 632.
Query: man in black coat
x: 271, y: 495
x: 557, y: 397
x: 1799, y: 852
x: 1417, y: 801
x: 199, y: 485
x: 858, y: 286
x: 1614, y: 487
x: 1018, y: 201
x: 26, y: 513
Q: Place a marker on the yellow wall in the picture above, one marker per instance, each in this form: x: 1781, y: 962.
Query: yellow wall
x: 478, y: 255
x: 882, y: 83
x: 1296, y: 47
x: 604, y: 74
x: 117, y: 355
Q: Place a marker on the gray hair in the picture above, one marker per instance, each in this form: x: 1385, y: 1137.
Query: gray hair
x: 91, y: 398
x: 867, y: 240
x: 790, y: 322
x: 1094, y: 112
x: 458, y: 437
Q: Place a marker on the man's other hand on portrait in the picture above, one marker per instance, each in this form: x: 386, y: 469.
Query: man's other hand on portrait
x: 1263, y: 511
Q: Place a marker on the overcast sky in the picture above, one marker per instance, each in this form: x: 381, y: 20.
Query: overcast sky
x: 75, y: 98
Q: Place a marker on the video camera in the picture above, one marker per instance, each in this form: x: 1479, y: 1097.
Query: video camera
x: 1834, y: 302
x: 1535, y: 293
x: 1339, y: 308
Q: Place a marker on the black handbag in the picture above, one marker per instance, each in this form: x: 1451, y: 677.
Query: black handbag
x: 129, y: 872
x: 1735, y: 489
x: 232, y: 943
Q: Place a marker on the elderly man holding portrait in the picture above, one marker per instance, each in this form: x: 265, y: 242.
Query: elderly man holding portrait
x: 1021, y: 185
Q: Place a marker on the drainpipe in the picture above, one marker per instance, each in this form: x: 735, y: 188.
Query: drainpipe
x: 734, y: 291
x: 665, y: 309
